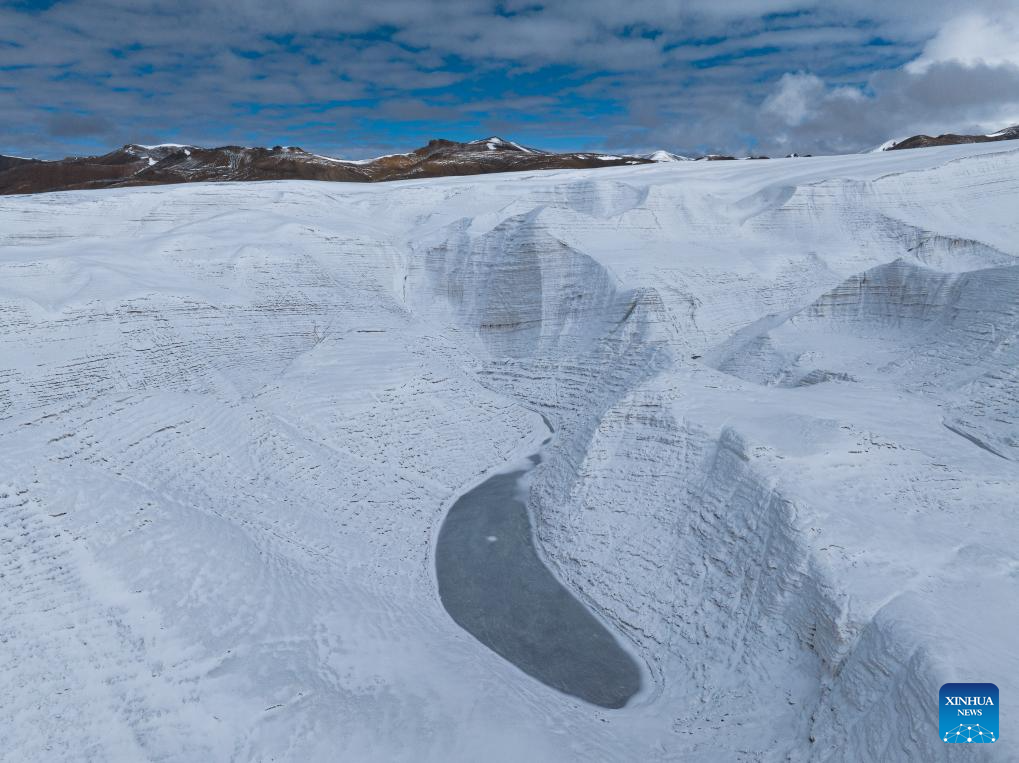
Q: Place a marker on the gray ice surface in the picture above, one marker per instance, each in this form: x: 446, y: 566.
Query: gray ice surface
x: 494, y: 585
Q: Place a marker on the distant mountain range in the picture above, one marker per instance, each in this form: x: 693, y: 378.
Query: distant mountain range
x: 948, y: 139
x: 134, y: 165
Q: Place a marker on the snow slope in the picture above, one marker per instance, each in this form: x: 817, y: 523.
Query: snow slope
x: 786, y: 406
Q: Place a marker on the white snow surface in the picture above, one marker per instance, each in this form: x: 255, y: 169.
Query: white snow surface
x: 786, y: 403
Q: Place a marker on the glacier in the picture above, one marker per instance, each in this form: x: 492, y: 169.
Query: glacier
x: 785, y: 397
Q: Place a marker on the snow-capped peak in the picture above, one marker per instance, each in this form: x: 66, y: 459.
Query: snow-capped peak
x: 164, y: 145
x: 665, y: 156
x: 884, y: 146
x: 494, y: 143
x: 1008, y: 132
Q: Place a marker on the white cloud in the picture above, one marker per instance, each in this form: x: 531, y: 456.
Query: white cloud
x: 970, y: 40
x: 688, y: 76
x: 795, y: 97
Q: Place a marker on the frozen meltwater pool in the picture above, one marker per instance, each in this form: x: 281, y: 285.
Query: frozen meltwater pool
x: 494, y: 585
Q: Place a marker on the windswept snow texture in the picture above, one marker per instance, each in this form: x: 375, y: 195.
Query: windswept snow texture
x: 785, y: 394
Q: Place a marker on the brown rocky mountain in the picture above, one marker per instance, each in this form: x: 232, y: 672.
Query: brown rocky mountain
x: 170, y: 163
x: 9, y: 162
x: 923, y: 141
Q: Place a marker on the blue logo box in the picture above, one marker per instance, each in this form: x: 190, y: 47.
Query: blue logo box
x: 968, y: 713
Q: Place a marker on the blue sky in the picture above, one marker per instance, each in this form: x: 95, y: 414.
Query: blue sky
x: 354, y: 79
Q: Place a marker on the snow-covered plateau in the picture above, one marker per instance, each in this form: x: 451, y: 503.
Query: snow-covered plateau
x: 785, y: 398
